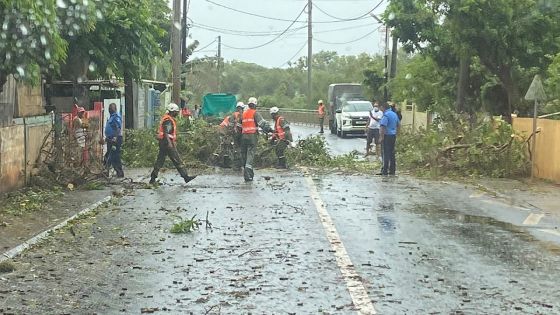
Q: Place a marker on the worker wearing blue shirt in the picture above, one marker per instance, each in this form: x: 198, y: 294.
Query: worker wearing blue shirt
x: 114, y: 139
x: 390, y: 125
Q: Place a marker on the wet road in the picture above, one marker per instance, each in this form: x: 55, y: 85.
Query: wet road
x: 272, y: 250
x: 296, y: 243
x: 337, y: 145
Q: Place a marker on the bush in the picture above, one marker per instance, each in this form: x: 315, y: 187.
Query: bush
x: 452, y: 147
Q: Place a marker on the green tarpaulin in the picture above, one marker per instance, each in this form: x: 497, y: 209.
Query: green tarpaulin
x: 218, y: 104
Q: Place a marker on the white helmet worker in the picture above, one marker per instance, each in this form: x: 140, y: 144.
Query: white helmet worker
x: 252, y: 100
x: 172, y: 107
x: 240, y: 104
x: 274, y: 110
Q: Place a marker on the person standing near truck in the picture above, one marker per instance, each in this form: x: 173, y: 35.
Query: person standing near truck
x: 321, y: 112
x: 372, y: 129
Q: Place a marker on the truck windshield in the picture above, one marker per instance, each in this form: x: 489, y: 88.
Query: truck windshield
x: 357, y: 107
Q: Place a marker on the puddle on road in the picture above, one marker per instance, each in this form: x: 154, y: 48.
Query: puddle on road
x: 501, y: 237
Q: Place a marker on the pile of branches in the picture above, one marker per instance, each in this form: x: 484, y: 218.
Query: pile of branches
x: 458, y: 147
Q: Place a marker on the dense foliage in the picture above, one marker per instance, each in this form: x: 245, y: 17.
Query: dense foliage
x: 451, y: 147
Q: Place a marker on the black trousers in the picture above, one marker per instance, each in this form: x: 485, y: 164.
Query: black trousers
x: 113, y: 155
x: 166, y: 151
x: 389, y: 161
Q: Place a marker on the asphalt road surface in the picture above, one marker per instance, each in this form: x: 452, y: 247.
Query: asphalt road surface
x: 294, y: 242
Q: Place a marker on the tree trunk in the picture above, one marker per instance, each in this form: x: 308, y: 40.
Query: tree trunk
x: 128, y: 101
x: 511, y: 89
x: 463, y: 82
x: 394, y: 54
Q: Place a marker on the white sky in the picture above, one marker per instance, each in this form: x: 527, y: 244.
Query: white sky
x: 277, y: 53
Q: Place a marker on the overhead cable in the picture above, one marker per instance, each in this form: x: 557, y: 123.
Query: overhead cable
x: 361, y: 17
x: 348, y: 19
x: 272, y: 40
x: 295, y: 55
x: 200, y: 49
x: 348, y: 42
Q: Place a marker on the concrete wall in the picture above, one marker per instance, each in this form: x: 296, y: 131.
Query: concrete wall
x: 20, y: 146
x: 547, y: 158
x: 12, y: 163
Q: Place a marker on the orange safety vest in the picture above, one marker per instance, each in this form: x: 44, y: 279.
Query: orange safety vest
x: 161, y: 134
x: 321, y: 110
x: 249, y: 124
x: 279, y: 131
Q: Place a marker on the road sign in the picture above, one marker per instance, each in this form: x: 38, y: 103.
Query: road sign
x: 536, y: 90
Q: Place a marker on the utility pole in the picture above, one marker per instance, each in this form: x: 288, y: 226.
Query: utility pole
x: 219, y: 64
x: 176, y: 51
x: 184, y: 33
x: 309, y: 50
x: 385, y: 92
x: 386, y: 70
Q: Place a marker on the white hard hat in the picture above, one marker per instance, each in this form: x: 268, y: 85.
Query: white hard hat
x: 172, y: 107
x: 252, y: 100
x: 320, y: 102
x: 274, y: 110
x: 240, y: 104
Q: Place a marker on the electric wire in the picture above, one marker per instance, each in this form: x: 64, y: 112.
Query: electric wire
x: 272, y: 40
x: 361, y: 17
x: 242, y: 32
x: 200, y: 49
x: 295, y: 55
x: 249, y: 13
x: 348, y: 42
x: 348, y: 19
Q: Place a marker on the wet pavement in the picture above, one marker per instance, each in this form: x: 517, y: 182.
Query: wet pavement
x: 295, y: 242
x: 337, y: 145
x: 416, y: 248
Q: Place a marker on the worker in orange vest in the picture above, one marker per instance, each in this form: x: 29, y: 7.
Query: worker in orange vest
x: 250, y: 124
x: 230, y: 130
x: 167, y: 136
x: 281, y: 136
x: 321, y: 113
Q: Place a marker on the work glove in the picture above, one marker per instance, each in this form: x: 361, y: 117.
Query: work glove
x: 293, y: 144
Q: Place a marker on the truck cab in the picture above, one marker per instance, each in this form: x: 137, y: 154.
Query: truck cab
x: 339, y: 94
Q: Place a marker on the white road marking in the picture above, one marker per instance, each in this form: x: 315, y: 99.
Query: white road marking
x: 553, y: 232
x: 504, y: 204
x: 358, y: 292
x: 533, y: 219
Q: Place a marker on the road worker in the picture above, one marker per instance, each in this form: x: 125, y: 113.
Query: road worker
x: 167, y: 136
x: 321, y: 113
x: 281, y: 136
x: 230, y: 130
x: 251, y: 121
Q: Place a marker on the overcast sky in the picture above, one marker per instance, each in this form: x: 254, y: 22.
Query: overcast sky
x: 210, y: 20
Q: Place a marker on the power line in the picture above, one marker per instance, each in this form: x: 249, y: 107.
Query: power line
x: 295, y: 55
x: 249, y: 13
x: 348, y: 42
x: 241, y: 32
x: 363, y: 16
x: 349, y: 19
x: 272, y: 40
x: 345, y: 28
x: 200, y: 49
